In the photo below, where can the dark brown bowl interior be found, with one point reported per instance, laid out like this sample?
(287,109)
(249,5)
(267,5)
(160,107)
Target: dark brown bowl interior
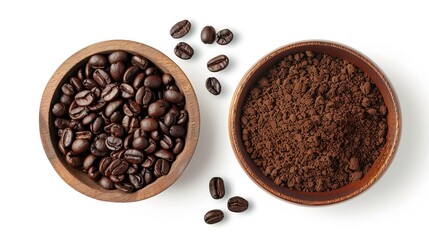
(75,177)
(347,191)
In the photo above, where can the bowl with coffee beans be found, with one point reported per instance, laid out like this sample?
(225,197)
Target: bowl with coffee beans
(315,123)
(119,121)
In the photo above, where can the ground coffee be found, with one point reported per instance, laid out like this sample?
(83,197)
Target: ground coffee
(314,122)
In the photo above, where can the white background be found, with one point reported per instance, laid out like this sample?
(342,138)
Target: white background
(37,36)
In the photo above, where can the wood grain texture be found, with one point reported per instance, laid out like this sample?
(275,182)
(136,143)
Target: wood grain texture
(79,180)
(348,191)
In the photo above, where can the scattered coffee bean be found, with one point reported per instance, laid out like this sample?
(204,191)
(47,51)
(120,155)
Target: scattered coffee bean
(183,51)
(224,37)
(110,121)
(208,35)
(237,204)
(217,188)
(180,29)
(218,63)
(213,216)
(213,86)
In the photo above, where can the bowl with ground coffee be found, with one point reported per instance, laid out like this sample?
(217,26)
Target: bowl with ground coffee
(315,123)
(119,121)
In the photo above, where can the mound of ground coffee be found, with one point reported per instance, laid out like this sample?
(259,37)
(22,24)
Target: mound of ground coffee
(314,122)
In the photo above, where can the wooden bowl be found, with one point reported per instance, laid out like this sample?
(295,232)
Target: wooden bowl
(75,177)
(350,190)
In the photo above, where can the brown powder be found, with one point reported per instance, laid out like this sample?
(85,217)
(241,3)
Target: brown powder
(314,122)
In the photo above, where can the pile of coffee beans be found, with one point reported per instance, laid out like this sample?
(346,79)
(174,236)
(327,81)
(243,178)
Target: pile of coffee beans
(121,120)
(217,191)
(208,36)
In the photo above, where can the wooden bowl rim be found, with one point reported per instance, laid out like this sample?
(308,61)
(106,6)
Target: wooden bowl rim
(164,63)
(315,198)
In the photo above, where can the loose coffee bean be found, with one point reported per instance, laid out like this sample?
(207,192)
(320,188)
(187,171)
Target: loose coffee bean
(217,188)
(177,131)
(130,73)
(148,176)
(117,178)
(125,187)
(83,135)
(178,146)
(237,204)
(67,89)
(136,180)
(118,167)
(89,83)
(76,83)
(112,106)
(80,146)
(66,99)
(73,159)
(84,98)
(110,92)
(183,51)
(224,37)
(153,82)
(113,143)
(149,161)
(97,61)
(180,29)
(218,63)
(67,138)
(149,124)
(151,71)
(208,35)
(89,161)
(89,119)
(167,79)
(144,96)
(183,117)
(140,143)
(165,154)
(59,109)
(118,56)
(157,109)
(93,173)
(213,86)
(213,216)
(101,77)
(126,90)
(166,142)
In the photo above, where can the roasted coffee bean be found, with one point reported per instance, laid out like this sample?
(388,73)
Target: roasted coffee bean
(128,141)
(213,86)
(66,99)
(140,143)
(101,77)
(217,188)
(213,216)
(113,143)
(84,135)
(151,71)
(140,62)
(88,70)
(112,106)
(89,161)
(178,146)
(169,119)
(118,56)
(126,90)
(77,112)
(61,123)
(59,109)
(125,187)
(177,131)
(73,159)
(67,138)
(218,63)
(117,167)
(97,125)
(93,173)
(97,61)
(89,83)
(134,156)
(153,82)
(167,79)
(89,119)
(149,161)
(116,117)
(134,124)
(166,142)
(117,130)
(136,180)
(180,29)
(139,133)
(81,74)
(161,168)
(208,35)
(67,89)
(155,135)
(165,154)
(80,146)
(104,164)
(117,178)
(76,83)
(84,98)
(237,204)
(224,37)
(106,183)
(133,169)
(144,96)
(164,129)
(117,71)
(97,106)
(138,80)
(147,176)
(173,96)
(183,51)
(152,146)
(149,124)
(157,109)
(130,73)
(183,117)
